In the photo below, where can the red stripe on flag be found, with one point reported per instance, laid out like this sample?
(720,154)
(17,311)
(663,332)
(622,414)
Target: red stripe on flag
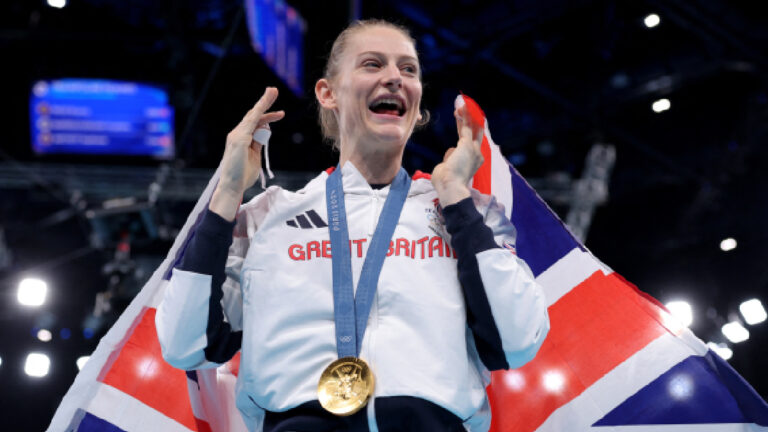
(202,426)
(482,179)
(234,364)
(595,327)
(140,371)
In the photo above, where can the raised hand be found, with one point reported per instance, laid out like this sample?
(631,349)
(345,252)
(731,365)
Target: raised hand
(452,176)
(241,163)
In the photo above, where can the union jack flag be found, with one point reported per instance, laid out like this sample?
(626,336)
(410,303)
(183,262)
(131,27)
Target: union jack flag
(614,359)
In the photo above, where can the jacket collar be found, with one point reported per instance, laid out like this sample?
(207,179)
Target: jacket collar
(355,183)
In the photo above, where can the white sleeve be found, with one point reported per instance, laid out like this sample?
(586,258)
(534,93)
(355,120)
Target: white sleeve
(517,301)
(199,322)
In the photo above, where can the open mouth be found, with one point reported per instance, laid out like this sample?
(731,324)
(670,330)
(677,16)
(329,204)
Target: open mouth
(388,105)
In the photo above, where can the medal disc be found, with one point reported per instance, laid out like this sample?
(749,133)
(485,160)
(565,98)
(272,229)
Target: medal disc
(345,386)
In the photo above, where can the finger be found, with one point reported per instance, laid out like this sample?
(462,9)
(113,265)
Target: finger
(459,119)
(448,153)
(271,117)
(251,118)
(265,102)
(463,118)
(465,135)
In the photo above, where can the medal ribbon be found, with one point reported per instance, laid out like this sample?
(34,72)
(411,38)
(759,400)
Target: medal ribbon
(351,311)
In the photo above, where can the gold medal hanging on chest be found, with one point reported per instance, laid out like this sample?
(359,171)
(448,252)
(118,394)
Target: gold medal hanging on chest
(345,386)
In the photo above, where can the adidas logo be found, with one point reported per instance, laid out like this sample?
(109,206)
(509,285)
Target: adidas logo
(307,220)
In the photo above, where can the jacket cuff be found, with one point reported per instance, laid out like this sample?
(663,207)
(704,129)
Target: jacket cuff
(209,247)
(469,234)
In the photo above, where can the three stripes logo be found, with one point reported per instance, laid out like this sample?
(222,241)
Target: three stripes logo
(307,220)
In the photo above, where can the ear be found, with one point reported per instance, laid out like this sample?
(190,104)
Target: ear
(324,94)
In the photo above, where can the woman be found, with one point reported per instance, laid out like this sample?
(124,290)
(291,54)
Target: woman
(357,303)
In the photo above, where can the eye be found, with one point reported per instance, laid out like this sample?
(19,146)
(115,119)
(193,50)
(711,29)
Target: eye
(371,64)
(410,69)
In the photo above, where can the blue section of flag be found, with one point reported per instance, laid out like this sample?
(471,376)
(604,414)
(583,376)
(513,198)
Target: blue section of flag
(698,390)
(752,405)
(541,238)
(91,423)
(183,249)
(192,375)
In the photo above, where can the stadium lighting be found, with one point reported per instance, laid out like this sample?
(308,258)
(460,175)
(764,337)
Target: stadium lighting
(57,3)
(681,387)
(735,332)
(32,292)
(1,361)
(37,365)
(44,335)
(753,311)
(721,349)
(682,311)
(661,105)
(81,362)
(514,380)
(554,381)
(651,20)
(728,244)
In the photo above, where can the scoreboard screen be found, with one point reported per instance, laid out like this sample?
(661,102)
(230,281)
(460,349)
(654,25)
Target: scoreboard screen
(101,117)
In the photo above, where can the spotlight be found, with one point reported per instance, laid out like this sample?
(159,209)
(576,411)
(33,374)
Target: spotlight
(57,3)
(661,105)
(37,365)
(721,349)
(44,335)
(554,381)
(753,311)
(735,332)
(514,380)
(81,362)
(682,311)
(1,361)
(651,20)
(728,244)
(32,292)
(680,387)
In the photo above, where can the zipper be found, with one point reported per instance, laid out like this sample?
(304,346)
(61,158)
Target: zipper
(374,212)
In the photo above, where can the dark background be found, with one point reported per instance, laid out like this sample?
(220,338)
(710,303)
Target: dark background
(554,77)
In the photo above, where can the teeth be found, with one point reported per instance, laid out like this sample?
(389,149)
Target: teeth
(392,101)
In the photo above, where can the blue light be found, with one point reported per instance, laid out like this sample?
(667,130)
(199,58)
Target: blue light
(87,333)
(100,117)
(65,333)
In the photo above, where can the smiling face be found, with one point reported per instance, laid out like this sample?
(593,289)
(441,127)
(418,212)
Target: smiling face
(376,93)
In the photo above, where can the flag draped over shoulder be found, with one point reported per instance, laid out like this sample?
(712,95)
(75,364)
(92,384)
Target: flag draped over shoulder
(127,386)
(614,358)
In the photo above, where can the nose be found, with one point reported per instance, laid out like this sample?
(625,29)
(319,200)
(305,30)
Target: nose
(392,78)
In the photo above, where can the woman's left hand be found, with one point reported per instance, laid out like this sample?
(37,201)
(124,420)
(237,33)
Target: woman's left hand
(452,176)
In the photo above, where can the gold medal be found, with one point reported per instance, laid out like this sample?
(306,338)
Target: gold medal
(345,386)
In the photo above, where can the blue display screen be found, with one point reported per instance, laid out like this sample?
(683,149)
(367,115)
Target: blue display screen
(101,117)
(277,33)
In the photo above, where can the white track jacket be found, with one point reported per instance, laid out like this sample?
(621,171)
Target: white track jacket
(448,307)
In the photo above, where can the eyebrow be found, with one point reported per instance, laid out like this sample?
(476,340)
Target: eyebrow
(380,54)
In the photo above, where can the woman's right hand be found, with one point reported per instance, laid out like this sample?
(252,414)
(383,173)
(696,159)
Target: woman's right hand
(241,163)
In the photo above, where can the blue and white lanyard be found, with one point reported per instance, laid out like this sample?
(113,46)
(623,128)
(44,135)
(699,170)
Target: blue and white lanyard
(351,311)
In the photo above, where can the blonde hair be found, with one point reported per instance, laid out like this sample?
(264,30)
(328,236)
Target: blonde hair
(329,125)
